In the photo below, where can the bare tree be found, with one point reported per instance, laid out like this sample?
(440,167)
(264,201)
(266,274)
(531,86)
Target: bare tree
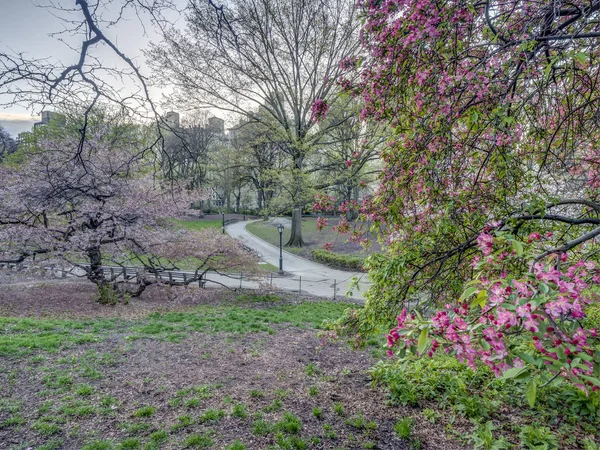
(186,150)
(279,56)
(87,81)
(81,198)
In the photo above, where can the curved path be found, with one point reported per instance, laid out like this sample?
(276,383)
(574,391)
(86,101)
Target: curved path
(317,279)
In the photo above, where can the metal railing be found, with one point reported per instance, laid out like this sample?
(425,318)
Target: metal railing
(322,287)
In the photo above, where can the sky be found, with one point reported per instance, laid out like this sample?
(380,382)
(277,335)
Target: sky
(26,26)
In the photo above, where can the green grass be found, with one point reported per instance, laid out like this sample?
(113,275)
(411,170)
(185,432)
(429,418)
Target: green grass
(211,415)
(145,411)
(256,393)
(261,428)
(240,410)
(98,445)
(197,225)
(198,441)
(23,336)
(313,238)
(403,428)
(289,423)
(269,233)
(268,267)
(130,444)
(71,400)
(182,422)
(237,445)
(317,412)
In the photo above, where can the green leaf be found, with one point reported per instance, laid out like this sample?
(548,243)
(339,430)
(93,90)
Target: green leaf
(580,56)
(518,247)
(512,373)
(544,288)
(531,392)
(422,340)
(528,359)
(592,380)
(468,292)
(480,299)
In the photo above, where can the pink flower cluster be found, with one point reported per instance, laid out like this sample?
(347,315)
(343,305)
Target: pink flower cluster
(318,110)
(321,223)
(323,203)
(328,246)
(544,306)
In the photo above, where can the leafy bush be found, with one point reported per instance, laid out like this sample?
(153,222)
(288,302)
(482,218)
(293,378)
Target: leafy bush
(478,395)
(592,313)
(338,260)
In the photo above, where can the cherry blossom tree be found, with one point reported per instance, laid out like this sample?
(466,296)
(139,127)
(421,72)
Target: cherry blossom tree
(489,198)
(104,207)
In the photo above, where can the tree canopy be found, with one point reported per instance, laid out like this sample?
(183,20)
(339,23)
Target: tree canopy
(489,198)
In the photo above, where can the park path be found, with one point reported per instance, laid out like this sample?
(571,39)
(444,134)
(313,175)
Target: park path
(316,279)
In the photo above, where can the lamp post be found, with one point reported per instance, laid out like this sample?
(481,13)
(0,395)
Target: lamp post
(280,229)
(223,214)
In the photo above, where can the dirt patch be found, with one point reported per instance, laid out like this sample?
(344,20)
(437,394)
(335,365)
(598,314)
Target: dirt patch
(26,295)
(151,373)
(151,393)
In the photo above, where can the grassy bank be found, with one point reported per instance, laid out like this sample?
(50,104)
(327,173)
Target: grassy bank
(313,238)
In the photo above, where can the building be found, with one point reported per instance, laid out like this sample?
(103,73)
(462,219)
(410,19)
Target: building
(47,117)
(216,125)
(172,119)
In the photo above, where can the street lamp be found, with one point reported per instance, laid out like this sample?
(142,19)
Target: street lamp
(223,214)
(280,229)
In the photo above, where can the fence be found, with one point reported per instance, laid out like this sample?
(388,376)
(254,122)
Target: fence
(323,287)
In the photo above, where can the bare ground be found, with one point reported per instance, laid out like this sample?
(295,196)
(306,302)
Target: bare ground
(150,372)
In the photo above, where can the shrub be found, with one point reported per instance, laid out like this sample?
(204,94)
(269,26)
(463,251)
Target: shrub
(337,260)
(592,313)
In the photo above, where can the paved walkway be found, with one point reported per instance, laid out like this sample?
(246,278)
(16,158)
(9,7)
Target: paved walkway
(315,278)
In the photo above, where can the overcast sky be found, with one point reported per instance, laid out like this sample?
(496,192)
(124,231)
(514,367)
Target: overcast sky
(26,27)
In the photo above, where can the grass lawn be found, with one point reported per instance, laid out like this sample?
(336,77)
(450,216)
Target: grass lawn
(313,238)
(202,224)
(190,368)
(199,224)
(222,371)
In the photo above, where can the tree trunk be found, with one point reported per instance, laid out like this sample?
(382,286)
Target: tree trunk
(296,236)
(259,199)
(238,200)
(107,293)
